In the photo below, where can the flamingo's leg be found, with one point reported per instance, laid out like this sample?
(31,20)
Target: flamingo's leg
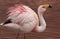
(24,36)
(17,36)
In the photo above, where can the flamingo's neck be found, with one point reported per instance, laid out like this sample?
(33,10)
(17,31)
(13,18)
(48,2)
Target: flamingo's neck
(42,26)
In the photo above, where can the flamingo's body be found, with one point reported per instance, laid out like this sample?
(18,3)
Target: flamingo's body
(25,20)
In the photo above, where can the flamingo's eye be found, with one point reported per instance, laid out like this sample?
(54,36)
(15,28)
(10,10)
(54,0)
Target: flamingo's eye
(43,7)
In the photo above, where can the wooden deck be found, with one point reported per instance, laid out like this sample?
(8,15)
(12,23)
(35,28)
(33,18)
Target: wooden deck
(52,17)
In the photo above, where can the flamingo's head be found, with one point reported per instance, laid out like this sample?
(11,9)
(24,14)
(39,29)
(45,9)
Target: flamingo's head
(42,8)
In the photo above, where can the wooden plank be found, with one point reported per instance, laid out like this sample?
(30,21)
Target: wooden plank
(52,17)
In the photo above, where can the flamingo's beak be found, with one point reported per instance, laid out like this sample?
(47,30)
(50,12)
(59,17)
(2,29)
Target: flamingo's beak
(47,6)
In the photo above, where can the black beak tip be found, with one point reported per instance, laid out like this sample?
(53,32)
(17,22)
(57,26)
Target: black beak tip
(50,6)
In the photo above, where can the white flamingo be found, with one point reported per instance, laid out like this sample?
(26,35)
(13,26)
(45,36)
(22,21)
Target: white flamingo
(25,20)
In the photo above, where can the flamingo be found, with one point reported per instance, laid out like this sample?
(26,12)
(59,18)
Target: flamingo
(23,19)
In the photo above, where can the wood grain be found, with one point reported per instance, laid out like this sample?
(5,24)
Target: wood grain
(52,17)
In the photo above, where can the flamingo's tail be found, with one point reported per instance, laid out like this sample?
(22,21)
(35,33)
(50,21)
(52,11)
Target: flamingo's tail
(1,23)
(6,22)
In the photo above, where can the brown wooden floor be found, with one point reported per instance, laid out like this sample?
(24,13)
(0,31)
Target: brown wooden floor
(52,17)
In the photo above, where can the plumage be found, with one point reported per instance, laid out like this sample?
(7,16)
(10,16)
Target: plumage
(25,20)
